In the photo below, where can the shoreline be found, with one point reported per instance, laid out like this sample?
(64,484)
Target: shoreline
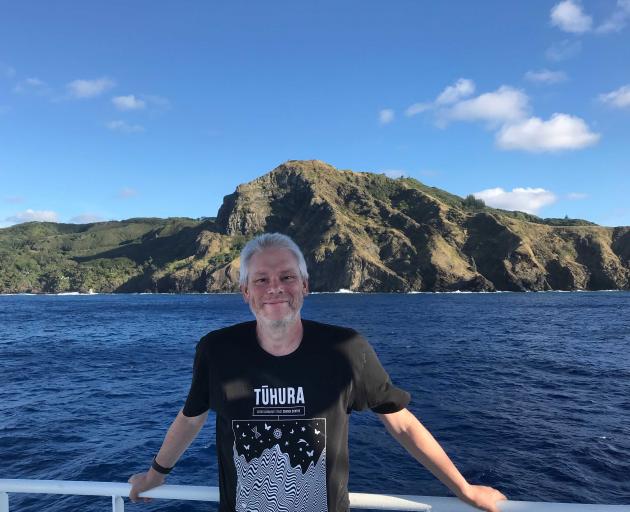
(339,292)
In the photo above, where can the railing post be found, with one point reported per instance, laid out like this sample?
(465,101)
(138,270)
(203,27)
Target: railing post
(4,502)
(118,505)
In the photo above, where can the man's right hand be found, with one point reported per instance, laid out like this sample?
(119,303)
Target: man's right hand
(141,482)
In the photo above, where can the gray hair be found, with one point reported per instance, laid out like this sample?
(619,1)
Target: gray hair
(266,241)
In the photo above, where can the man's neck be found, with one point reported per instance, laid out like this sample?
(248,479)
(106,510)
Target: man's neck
(280,340)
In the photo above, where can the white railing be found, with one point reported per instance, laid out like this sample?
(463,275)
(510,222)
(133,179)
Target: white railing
(357,499)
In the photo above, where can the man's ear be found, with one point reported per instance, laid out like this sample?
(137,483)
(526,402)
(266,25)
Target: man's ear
(245,293)
(305,287)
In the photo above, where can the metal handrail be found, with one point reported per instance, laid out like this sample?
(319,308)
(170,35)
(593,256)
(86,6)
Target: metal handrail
(118,491)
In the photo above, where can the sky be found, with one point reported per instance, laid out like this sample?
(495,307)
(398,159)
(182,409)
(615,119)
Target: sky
(113,110)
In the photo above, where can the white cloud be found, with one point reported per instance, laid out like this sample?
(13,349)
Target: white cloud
(563,50)
(546,76)
(617,20)
(528,200)
(463,88)
(507,110)
(618,98)
(576,196)
(503,105)
(128,103)
(127,192)
(395,173)
(31,85)
(124,127)
(157,101)
(417,108)
(86,218)
(560,132)
(33,215)
(568,16)
(453,93)
(386,116)
(90,88)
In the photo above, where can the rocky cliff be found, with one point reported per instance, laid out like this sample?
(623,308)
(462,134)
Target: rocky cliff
(359,231)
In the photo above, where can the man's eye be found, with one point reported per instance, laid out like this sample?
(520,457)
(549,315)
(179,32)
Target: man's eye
(288,278)
(261,280)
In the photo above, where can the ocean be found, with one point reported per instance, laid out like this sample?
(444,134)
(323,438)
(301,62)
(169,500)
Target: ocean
(526,392)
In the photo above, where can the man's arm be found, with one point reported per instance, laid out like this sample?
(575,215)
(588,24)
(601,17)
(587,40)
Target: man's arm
(423,447)
(181,433)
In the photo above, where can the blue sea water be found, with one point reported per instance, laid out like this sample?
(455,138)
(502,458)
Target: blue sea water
(529,392)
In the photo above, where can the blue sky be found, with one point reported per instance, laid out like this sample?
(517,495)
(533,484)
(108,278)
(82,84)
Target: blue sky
(112,110)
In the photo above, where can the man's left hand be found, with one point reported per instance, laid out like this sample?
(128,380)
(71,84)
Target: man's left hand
(483,497)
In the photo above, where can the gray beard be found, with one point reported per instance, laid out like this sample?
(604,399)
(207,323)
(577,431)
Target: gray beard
(280,324)
(277,325)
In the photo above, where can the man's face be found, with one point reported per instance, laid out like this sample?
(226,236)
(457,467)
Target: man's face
(275,290)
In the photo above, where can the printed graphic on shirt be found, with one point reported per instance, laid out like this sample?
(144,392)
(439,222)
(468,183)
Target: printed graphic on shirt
(279,402)
(280,464)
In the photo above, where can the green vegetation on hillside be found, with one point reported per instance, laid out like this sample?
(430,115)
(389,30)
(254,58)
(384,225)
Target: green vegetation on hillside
(377,232)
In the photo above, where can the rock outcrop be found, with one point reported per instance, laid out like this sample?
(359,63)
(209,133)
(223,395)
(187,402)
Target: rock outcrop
(366,232)
(358,231)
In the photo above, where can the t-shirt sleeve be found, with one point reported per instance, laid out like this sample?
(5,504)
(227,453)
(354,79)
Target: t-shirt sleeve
(372,386)
(198,400)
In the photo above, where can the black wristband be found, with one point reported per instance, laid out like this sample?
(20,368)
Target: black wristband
(160,469)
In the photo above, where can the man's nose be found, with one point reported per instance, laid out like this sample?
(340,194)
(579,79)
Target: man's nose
(275,285)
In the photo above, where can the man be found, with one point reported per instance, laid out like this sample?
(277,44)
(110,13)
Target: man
(282,388)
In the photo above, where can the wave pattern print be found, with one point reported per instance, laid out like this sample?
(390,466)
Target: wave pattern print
(270,483)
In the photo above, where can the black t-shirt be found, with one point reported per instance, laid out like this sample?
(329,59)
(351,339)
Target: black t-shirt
(282,421)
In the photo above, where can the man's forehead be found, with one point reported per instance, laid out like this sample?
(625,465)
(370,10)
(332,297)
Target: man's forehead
(277,258)
(283,270)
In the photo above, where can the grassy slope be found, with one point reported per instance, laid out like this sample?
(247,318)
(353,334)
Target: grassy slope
(103,256)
